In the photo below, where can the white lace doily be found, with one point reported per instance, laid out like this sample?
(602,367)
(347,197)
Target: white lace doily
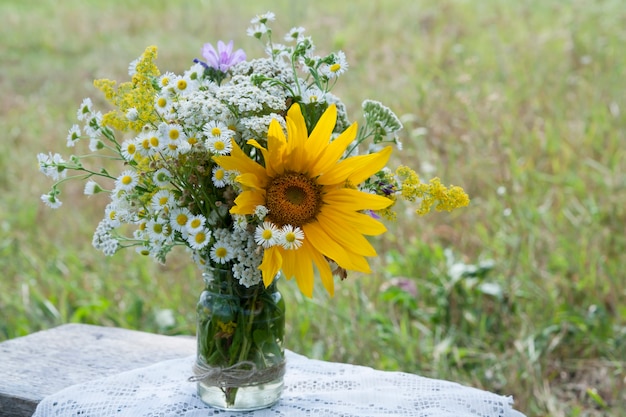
(312,388)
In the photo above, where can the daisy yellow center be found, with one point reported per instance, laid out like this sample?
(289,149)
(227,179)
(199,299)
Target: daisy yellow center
(216,131)
(192,140)
(293,198)
(200,237)
(162,102)
(181,219)
(182,84)
(195,223)
(163,201)
(221,252)
(174,134)
(219,174)
(335,67)
(165,81)
(131,148)
(290,237)
(267,234)
(219,145)
(154,141)
(158,228)
(127,179)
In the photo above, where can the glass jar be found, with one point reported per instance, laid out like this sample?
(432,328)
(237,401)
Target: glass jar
(240,359)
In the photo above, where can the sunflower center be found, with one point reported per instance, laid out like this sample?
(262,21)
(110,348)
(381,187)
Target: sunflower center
(293,198)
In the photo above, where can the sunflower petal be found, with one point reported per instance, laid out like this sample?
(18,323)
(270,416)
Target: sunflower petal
(345,235)
(320,136)
(326,275)
(356,169)
(271,264)
(331,154)
(364,223)
(248,180)
(348,199)
(247,201)
(331,249)
(299,264)
(239,161)
(276,143)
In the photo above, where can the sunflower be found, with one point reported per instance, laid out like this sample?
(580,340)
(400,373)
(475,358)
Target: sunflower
(307,185)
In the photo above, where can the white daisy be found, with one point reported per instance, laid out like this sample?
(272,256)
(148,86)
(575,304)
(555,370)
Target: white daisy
(263,18)
(127,180)
(111,217)
(338,67)
(313,95)
(266,234)
(132,114)
(165,80)
(163,104)
(295,34)
(195,223)
(162,177)
(84,111)
(151,143)
(132,67)
(158,230)
(172,132)
(51,200)
(129,149)
(179,218)
(173,149)
(240,222)
(196,72)
(221,252)
(257,30)
(73,135)
(95,144)
(219,176)
(219,145)
(199,239)
(92,187)
(162,200)
(260,212)
(184,85)
(52,165)
(291,237)
(216,129)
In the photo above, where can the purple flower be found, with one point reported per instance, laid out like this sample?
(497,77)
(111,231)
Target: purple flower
(224,57)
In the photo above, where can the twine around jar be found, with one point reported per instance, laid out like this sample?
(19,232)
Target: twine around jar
(241,374)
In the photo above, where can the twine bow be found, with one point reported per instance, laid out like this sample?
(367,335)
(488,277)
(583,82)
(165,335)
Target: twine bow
(241,374)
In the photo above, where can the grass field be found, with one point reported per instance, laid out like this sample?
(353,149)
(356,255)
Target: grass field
(522,103)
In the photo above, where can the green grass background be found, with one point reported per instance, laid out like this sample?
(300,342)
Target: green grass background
(520,102)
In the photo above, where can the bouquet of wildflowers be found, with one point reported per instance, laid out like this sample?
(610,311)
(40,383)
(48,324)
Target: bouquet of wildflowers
(251,164)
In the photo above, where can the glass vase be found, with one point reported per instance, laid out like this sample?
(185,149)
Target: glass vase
(240,359)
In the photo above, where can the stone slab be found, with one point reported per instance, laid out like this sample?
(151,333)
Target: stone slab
(42,363)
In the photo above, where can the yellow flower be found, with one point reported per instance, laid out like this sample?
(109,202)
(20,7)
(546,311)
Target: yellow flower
(138,94)
(306,183)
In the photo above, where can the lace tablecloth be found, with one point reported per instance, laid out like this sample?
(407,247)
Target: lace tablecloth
(312,388)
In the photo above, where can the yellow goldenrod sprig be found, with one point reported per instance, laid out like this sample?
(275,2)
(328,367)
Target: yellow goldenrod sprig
(137,94)
(430,194)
